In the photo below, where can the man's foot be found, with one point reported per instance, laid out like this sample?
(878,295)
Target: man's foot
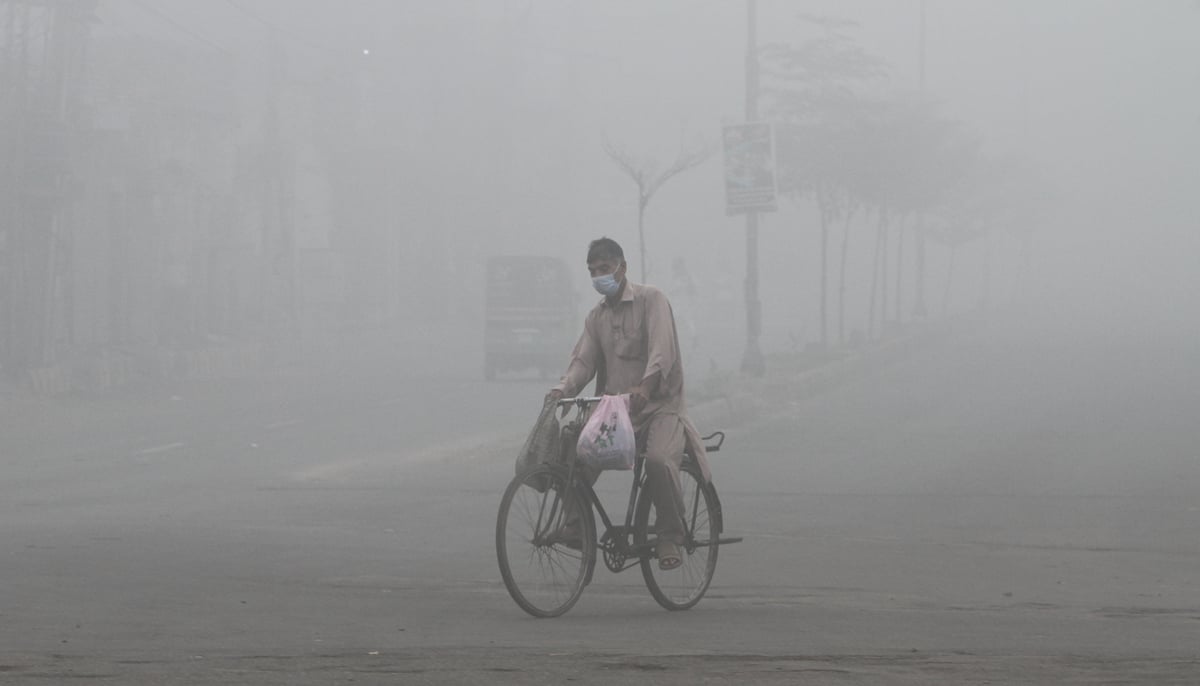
(567,535)
(668,556)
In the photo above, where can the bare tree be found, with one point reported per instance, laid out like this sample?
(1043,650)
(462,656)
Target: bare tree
(649,179)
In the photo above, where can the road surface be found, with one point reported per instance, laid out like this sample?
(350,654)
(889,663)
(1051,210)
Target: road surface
(986,510)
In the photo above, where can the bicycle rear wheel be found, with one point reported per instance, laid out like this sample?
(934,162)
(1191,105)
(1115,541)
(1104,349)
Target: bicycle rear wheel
(684,586)
(544,562)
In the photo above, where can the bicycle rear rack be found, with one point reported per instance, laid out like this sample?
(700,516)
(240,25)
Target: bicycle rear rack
(719,435)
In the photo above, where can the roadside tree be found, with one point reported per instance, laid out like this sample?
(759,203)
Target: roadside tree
(815,94)
(646,175)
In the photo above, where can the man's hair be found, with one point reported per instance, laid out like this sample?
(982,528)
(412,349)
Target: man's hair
(604,249)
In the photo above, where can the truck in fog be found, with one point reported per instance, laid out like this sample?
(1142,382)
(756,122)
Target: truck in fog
(531,316)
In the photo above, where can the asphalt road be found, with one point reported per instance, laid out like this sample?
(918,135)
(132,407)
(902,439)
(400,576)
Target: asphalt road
(987,511)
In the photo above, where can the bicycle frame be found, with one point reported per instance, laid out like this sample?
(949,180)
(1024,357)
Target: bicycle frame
(621,548)
(618,534)
(542,573)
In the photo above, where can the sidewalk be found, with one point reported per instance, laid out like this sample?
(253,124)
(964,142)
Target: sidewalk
(731,399)
(118,390)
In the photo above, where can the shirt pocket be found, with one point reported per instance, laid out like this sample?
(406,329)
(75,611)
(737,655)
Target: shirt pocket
(630,343)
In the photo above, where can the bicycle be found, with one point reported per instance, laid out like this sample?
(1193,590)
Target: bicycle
(545,572)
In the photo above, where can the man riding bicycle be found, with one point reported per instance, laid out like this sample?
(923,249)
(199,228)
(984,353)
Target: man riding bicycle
(629,344)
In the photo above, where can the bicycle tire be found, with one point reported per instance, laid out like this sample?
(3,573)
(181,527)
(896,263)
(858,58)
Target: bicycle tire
(684,586)
(543,575)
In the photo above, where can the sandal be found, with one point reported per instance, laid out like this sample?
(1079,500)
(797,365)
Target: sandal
(668,556)
(568,535)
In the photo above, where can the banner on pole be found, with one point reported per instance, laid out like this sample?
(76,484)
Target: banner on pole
(749,168)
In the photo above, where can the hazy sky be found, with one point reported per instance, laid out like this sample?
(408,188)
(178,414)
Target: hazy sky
(508,102)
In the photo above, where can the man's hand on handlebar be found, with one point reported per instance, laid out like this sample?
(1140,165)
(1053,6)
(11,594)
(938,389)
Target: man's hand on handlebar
(554,396)
(638,397)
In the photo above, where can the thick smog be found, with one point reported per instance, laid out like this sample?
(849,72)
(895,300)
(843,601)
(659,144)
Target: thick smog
(526,341)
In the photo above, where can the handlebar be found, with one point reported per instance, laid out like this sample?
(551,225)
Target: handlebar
(582,401)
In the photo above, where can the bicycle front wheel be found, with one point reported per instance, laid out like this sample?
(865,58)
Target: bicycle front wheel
(684,586)
(545,541)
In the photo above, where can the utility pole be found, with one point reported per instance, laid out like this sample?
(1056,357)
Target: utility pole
(280,312)
(752,361)
(40,83)
(919,297)
(14,78)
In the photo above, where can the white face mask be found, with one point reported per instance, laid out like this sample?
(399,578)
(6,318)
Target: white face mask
(606,285)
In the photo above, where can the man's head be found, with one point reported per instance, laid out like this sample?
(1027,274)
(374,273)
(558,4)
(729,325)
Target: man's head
(606,264)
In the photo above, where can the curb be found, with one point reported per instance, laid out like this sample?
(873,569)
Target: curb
(112,371)
(753,399)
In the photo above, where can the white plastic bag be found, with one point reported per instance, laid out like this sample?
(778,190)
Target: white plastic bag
(607,440)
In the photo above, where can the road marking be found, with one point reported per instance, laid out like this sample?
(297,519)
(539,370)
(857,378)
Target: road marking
(282,424)
(160,449)
(471,447)
(327,470)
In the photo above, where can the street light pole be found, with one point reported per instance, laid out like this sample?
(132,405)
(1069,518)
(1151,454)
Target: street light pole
(919,310)
(752,361)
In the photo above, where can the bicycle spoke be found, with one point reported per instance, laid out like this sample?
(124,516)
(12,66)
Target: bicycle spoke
(683,586)
(542,574)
